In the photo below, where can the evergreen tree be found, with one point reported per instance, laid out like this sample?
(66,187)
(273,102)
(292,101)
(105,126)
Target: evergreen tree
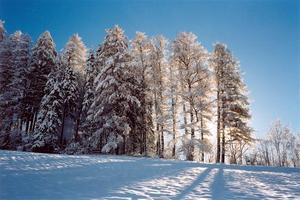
(90,73)
(113,94)
(6,76)
(42,61)
(46,134)
(20,64)
(70,94)
(16,50)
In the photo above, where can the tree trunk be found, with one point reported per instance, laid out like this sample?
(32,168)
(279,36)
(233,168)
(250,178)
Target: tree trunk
(223,139)
(218,127)
(77,126)
(124,144)
(192,123)
(192,135)
(174,128)
(158,149)
(21,124)
(27,125)
(184,119)
(162,142)
(202,136)
(62,126)
(33,121)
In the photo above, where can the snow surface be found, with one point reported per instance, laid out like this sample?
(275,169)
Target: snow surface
(49,176)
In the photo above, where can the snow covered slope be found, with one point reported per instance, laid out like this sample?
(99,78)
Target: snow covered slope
(46,176)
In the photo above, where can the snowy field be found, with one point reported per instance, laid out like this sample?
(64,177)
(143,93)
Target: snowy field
(45,176)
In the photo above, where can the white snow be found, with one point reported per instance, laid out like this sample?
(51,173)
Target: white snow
(50,176)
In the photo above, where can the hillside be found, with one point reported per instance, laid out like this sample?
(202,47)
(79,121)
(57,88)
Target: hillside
(49,176)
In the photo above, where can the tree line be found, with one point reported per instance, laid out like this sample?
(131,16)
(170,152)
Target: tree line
(280,147)
(147,96)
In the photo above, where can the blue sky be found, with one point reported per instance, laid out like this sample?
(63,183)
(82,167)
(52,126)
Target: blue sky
(264,35)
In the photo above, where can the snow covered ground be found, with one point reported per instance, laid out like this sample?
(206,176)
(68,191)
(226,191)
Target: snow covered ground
(46,176)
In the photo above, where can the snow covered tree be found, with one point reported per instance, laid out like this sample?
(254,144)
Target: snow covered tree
(81,144)
(295,150)
(43,60)
(158,66)
(279,136)
(232,101)
(172,95)
(190,57)
(70,94)
(90,73)
(6,76)
(74,56)
(280,147)
(113,94)
(20,64)
(46,134)
(15,54)
(140,51)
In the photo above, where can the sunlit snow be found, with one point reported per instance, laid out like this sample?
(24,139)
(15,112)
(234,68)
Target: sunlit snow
(49,176)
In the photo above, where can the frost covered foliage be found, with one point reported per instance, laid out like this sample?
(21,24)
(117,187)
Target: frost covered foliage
(197,146)
(74,57)
(280,147)
(282,142)
(45,137)
(142,135)
(77,148)
(190,58)
(113,93)
(232,101)
(81,144)
(146,97)
(157,83)
(75,54)
(42,62)
(20,64)
(6,76)
(88,99)
(14,56)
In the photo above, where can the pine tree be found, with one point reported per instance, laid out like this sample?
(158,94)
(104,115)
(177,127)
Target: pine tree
(20,63)
(70,94)
(113,94)
(90,73)
(43,60)
(6,76)
(46,134)
(15,54)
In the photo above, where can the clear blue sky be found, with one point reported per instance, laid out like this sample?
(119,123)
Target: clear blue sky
(263,35)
